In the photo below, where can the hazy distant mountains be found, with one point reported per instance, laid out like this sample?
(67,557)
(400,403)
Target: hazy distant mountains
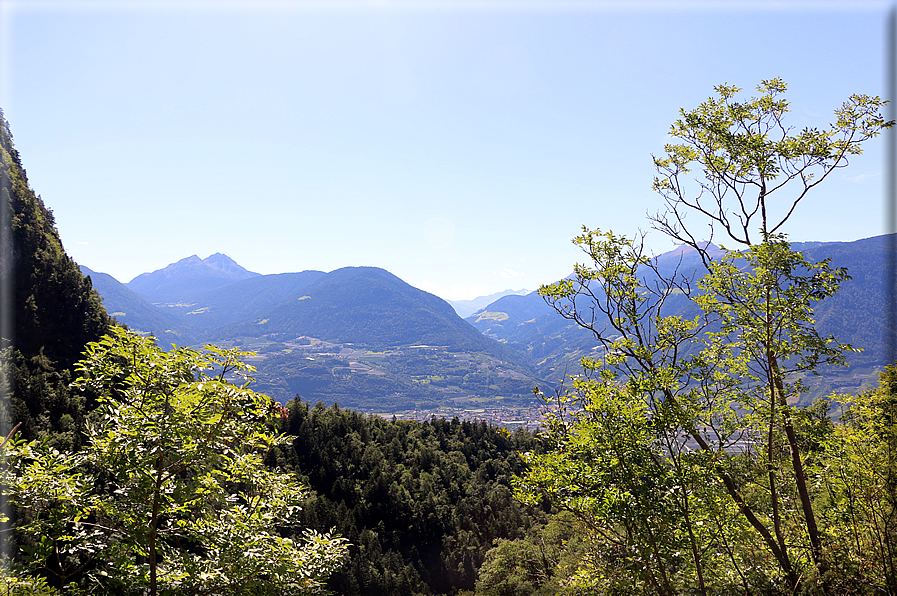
(188,278)
(365,338)
(554,344)
(216,299)
(358,335)
(465,308)
(130,308)
(856,315)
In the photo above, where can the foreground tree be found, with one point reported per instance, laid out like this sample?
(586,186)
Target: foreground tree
(679,446)
(171,495)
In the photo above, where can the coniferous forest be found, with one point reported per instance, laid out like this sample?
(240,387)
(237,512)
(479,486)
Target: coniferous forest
(676,462)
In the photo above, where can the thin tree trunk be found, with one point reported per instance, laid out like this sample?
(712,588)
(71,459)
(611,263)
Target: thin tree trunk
(770,455)
(780,555)
(800,477)
(154,522)
(699,566)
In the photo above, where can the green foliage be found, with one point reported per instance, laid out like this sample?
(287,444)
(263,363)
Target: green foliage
(54,309)
(679,447)
(171,494)
(13,584)
(541,563)
(745,153)
(859,500)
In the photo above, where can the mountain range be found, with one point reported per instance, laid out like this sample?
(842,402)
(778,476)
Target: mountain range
(465,308)
(365,338)
(855,315)
(357,335)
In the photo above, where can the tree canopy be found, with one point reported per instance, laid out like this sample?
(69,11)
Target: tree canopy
(679,447)
(170,495)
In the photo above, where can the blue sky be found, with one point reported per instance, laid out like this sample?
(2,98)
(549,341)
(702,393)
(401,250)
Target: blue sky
(459,145)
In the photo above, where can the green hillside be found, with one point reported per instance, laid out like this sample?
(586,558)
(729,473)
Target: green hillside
(249,299)
(373,307)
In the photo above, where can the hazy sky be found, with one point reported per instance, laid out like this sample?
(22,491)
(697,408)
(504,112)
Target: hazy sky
(459,145)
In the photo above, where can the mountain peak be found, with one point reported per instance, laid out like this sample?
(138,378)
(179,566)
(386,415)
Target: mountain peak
(221,262)
(684,249)
(683,253)
(188,276)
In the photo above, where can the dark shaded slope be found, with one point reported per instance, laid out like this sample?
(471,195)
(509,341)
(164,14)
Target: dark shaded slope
(54,310)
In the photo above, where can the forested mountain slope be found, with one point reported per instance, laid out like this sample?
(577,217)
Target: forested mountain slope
(54,309)
(420,502)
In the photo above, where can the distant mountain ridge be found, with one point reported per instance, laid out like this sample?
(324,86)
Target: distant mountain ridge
(215,298)
(465,308)
(371,306)
(856,315)
(357,335)
(129,308)
(188,277)
(361,312)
